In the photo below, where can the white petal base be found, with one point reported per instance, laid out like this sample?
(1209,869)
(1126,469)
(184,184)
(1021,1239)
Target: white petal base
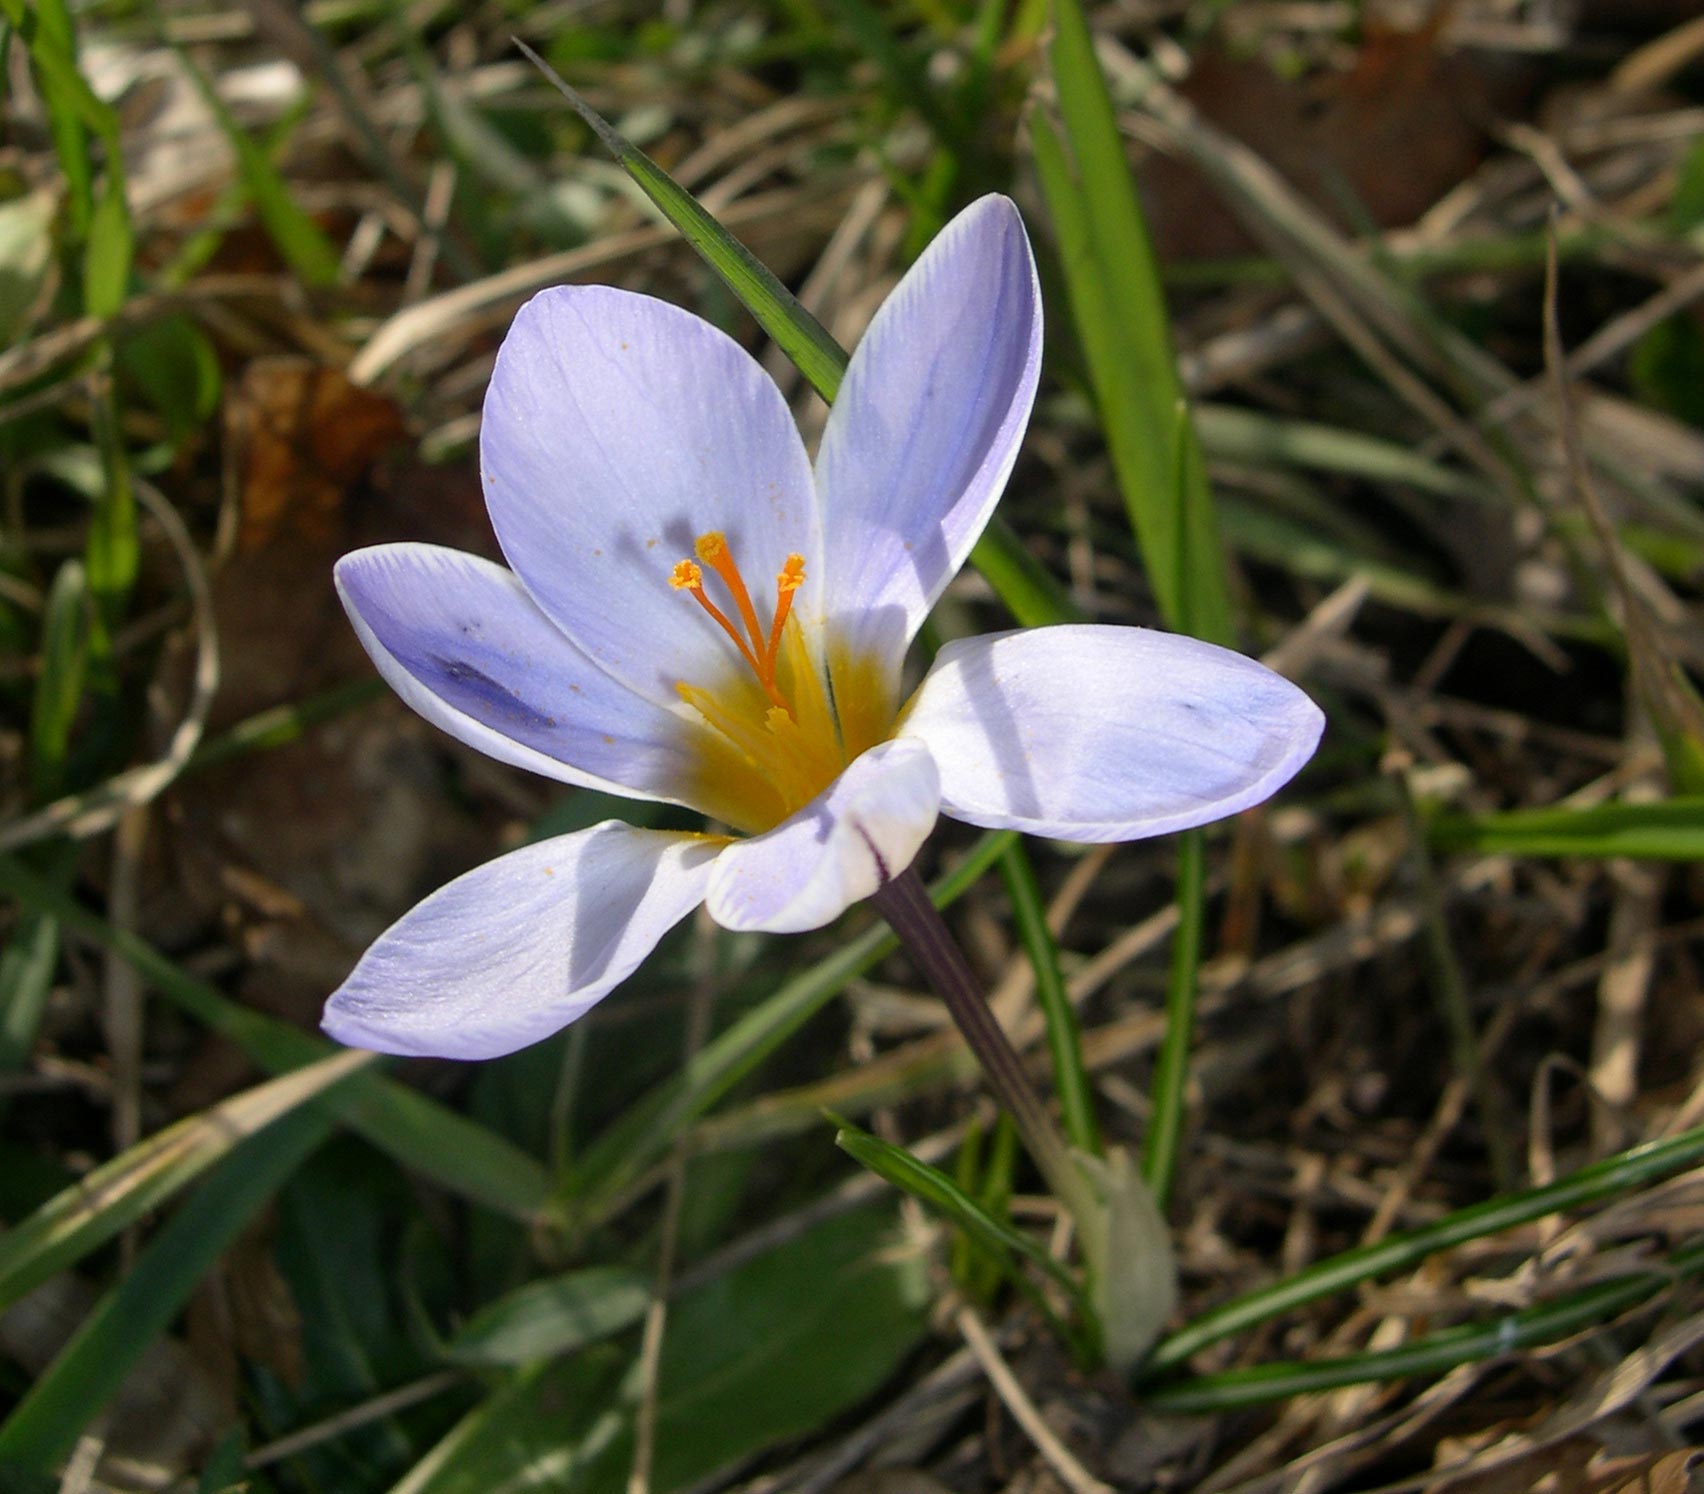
(863,830)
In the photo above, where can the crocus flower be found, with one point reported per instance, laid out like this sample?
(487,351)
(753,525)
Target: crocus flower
(695,616)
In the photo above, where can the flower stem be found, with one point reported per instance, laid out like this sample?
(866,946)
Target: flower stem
(904,902)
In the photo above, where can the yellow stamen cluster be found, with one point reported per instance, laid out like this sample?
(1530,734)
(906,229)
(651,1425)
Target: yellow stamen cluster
(794,743)
(759,649)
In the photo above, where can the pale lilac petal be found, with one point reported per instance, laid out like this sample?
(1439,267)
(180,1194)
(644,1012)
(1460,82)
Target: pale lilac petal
(860,832)
(459,639)
(617,430)
(521,946)
(925,429)
(1096,733)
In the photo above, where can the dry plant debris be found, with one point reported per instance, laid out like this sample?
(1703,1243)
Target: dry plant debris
(1460,959)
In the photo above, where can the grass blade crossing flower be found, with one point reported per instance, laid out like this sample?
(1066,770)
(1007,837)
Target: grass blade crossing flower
(694,615)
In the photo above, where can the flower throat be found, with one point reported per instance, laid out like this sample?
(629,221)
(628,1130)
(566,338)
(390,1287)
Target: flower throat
(790,737)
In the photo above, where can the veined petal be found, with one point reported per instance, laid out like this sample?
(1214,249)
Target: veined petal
(925,429)
(860,832)
(460,640)
(521,946)
(1094,733)
(617,430)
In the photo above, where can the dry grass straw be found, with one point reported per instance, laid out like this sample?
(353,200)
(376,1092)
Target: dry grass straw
(1321,1124)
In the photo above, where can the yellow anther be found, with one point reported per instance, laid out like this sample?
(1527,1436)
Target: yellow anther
(760,649)
(788,580)
(713,550)
(687,577)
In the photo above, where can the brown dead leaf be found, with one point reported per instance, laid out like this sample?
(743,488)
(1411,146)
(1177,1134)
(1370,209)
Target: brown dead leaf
(1379,142)
(301,436)
(245,1311)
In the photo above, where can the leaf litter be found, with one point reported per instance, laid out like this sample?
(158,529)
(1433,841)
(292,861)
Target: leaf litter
(1353,222)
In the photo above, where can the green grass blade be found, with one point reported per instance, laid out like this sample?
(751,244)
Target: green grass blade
(65,628)
(422,1135)
(278,726)
(114,549)
(1164,1141)
(45,1424)
(29,961)
(54,38)
(546,1319)
(111,248)
(795,331)
(46,33)
(1171,1065)
(1614,1175)
(118,1193)
(1431,1355)
(1064,1040)
(1026,586)
(1668,830)
(1118,307)
(100,224)
(616,1160)
(305,248)
(938,1192)
(977,1271)
(1256,439)
(27,964)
